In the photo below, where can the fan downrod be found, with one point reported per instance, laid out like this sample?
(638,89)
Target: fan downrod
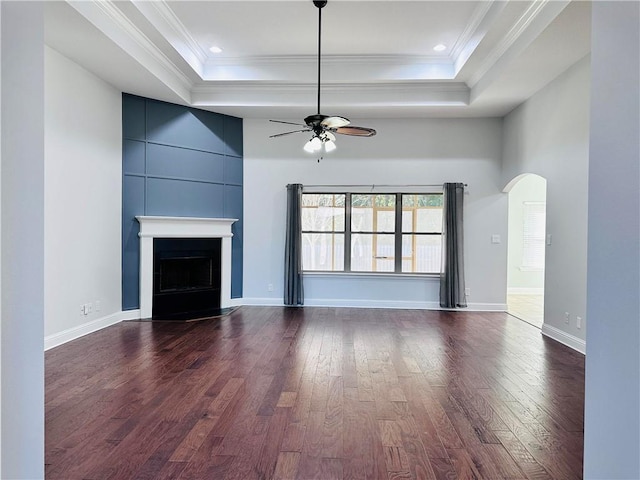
(324,126)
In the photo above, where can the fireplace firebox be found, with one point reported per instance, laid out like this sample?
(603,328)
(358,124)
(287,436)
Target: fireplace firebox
(186,278)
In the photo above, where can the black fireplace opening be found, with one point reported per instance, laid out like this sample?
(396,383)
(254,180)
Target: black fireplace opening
(185,273)
(186,278)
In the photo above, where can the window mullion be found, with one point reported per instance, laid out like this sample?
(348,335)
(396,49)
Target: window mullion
(374,237)
(333,232)
(414,238)
(398,235)
(347,232)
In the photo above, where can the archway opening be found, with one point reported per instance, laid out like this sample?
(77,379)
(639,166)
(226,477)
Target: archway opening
(526,247)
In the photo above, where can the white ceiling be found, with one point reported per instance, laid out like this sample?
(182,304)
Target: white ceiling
(377,56)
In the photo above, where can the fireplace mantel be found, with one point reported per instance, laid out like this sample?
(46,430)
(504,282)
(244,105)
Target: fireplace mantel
(182,227)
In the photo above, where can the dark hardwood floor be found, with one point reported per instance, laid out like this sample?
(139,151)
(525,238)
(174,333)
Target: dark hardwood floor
(327,393)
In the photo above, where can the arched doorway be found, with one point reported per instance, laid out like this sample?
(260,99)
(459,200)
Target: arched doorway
(526,247)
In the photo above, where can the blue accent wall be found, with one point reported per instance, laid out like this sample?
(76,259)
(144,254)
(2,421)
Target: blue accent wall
(181,162)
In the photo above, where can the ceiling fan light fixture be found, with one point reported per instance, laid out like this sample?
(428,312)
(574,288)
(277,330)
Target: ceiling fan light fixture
(314,145)
(329,146)
(308,147)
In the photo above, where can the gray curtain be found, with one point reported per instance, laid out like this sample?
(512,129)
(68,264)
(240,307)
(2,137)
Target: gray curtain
(452,288)
(293,289)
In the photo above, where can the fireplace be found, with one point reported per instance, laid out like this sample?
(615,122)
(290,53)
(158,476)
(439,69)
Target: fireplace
(194,254)
(186,277)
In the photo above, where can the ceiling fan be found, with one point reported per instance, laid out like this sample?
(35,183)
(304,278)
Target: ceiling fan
(322,126)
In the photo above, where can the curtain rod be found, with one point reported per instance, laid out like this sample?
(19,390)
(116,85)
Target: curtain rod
(376,185)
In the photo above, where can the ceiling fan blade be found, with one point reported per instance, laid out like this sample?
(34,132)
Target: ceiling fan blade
(288,123)
(335,122)
(355,131)
(288,133)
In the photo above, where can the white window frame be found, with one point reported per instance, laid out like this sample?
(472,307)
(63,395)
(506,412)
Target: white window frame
(397,233)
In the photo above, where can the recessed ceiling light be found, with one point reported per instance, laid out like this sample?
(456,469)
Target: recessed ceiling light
(440,47)
(215,49)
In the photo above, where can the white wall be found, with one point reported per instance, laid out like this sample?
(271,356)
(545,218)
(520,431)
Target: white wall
(22,203)
(0,241)
(426,151)
(549,135)
(530,188)
(612,409)
(83,200)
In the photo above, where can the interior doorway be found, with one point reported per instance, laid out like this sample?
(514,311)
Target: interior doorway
(526,248)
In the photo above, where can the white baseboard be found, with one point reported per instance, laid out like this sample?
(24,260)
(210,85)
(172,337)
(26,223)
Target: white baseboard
(130,315)
(260,302)
(65,336)
(70,334)
(355,303)
(396,304)
(525,291)
(487,307)
(565,338)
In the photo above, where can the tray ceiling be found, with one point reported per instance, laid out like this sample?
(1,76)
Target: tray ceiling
(378,58)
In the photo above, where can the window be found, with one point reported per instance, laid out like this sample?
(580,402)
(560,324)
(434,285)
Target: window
(372,233)
(323,232)
(534,218)
(381,232)
(421,233)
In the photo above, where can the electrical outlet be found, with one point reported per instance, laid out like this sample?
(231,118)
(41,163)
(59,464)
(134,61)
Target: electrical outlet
(467,292)
(98,305)
(566,317)
(579,322)
(90,307)
(270,287)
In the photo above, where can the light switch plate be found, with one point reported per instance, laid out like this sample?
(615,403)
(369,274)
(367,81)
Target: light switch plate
(495,238)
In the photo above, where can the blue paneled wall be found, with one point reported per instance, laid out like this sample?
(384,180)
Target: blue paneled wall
(180,162)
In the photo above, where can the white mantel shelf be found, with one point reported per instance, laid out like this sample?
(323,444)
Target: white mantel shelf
(177,227)
(182,227)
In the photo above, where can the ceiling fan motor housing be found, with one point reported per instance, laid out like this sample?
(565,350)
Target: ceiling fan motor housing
(319,3)
(314,120)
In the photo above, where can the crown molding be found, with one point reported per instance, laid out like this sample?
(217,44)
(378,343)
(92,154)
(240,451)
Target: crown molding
(301,94)
(466,36)
(166,22)
(539,14)
(335,69)
(378,86)
(484,16)
(162,17)
(329,59)
(107,18)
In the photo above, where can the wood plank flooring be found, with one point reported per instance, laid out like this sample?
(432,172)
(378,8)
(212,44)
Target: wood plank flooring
(326,393)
